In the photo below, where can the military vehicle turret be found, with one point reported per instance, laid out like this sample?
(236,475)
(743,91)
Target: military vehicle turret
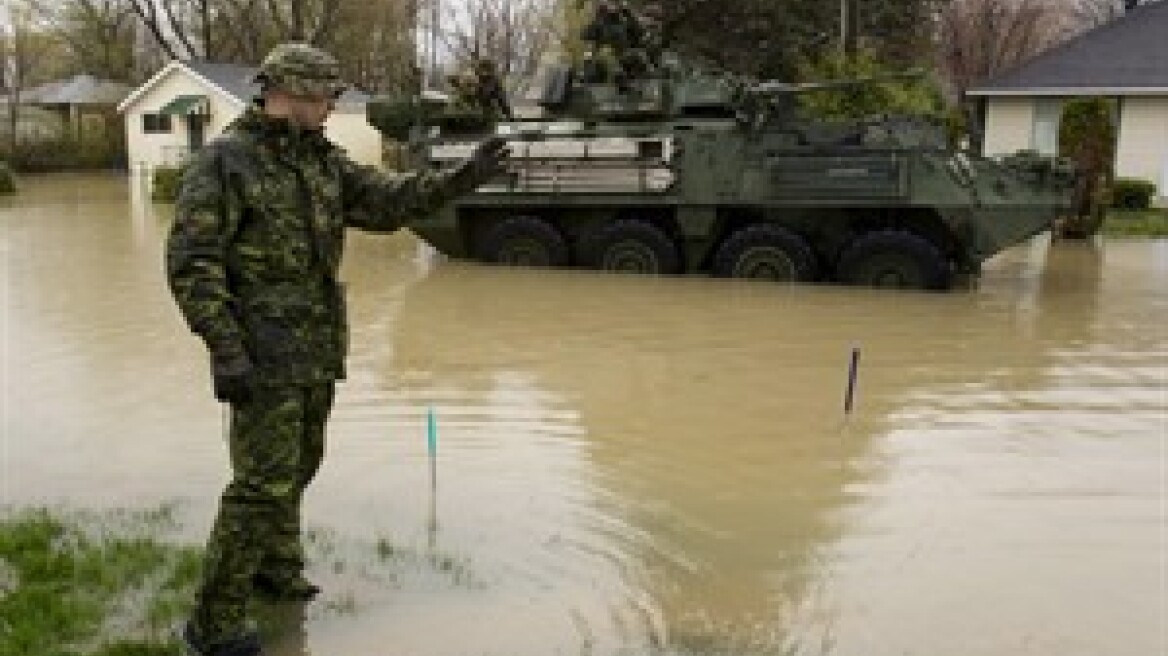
(682,169)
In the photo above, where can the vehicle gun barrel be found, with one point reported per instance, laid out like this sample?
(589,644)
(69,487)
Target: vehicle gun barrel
(772,88)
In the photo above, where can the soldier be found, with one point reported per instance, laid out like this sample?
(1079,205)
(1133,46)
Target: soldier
(608,37)
(492,97)
(252,261)
(652,21)
(464,90)
(477,89)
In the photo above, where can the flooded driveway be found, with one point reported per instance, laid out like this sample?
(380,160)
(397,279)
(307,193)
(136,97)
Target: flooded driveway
(642,466)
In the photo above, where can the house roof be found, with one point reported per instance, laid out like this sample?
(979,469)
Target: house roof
(1127,56)
(77,90)
(235,80)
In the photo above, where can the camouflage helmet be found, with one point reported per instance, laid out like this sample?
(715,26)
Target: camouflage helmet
(484,66)
(301,69)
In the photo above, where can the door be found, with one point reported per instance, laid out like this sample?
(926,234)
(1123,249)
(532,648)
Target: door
(196,131)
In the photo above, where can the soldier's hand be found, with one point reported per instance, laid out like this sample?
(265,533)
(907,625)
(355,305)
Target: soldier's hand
(486,161)
(231,376)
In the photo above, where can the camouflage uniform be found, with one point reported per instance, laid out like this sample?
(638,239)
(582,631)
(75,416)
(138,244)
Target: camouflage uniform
(608,37)
(252,262)
(652,35)
(492,97)
(478,90)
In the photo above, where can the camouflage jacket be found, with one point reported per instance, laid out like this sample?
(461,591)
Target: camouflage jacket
(253,255)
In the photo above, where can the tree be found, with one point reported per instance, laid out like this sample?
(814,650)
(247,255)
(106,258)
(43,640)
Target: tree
(170,34)
(1087,137)
(763,38)
(312,21)
(1092,13)
(900,33)
(373,39)
(978,39)
(222,29)
(97,35)
(24,49)
(911,94)
(778,38)
(511,33)
(386,60)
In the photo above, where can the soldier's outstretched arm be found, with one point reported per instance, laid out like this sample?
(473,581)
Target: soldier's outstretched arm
(206,217)
(382,202)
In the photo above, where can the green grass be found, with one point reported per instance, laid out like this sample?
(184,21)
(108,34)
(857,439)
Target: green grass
(7,179)
(112,584)
(80,585)
(1136,223)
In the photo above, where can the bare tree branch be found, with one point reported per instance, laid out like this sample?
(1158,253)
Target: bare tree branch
(1092,13)
(513,34)
(329,14)
(148,15)
(276,16)
(981,38)
(178,29)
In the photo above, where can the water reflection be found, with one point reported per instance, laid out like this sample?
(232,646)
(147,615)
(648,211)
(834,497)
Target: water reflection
(630,466)
(284,629)
(1021,485)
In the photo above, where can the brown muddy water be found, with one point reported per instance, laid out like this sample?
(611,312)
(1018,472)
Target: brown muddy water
(642,466)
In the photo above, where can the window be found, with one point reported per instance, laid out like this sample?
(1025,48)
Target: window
(1045,132)
(156,123)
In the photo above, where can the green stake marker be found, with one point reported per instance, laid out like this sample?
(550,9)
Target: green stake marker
(432,447)
(431,432)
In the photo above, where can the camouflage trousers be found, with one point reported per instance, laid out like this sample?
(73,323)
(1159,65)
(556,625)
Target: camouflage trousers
(276,446)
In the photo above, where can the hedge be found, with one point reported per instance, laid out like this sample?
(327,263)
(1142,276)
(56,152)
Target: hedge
(1132,194)
(62,154)
(164,183)
(7,179)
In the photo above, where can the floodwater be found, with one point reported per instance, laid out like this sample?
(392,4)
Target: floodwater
(642,466)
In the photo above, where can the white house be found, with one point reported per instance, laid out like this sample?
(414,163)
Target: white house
(1125,60)
(188,103)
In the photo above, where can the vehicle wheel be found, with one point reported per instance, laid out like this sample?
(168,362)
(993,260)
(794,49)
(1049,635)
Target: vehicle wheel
(631,246)
(894,258)
(765,251)
(524,241)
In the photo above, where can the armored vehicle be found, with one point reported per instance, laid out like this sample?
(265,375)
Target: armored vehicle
(690,170)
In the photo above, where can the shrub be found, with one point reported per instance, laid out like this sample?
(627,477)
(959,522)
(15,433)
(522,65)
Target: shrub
(888,91)
(1087,138)
(1137,223)
(164,183)
(1132,194)
(7,179)
(65,154)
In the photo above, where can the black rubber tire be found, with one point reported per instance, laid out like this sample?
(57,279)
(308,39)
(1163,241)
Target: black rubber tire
(765,251)
(896,259)
(524,241)
(631,246)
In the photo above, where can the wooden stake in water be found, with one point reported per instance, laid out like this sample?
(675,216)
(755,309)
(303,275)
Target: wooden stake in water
(853,374)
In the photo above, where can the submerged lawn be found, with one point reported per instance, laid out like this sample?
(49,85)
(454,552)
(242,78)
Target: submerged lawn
(1136,223)
(115,584)
(73,585)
